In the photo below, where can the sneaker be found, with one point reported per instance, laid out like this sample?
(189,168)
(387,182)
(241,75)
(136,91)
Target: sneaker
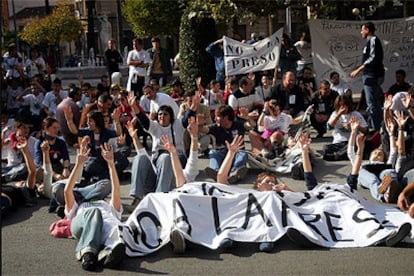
(113,257)
(266,247)
(226,243)
(177,241)
(130,208)
(89,261)
(211,173)
(299,239)
(238,174)
(60,211)
(398,235)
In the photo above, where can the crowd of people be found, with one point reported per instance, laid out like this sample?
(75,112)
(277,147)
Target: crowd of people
(164,133)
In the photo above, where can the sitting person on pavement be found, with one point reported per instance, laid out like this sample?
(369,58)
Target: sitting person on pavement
(339,121)
(99,135)
(192,100)
(16,168)
(323,105)
(143,179)
(274,126)
(59,154)
(225,128)
(24,194)
(95,223)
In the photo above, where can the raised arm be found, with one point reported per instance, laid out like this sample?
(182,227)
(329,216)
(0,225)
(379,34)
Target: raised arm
(22,144)
(232,149)
(354,124)
(401,121)
(310,179)
(134,134)
(116,115)
(359,154)
(81,159)
(403,198)
(108,154)
(69,120)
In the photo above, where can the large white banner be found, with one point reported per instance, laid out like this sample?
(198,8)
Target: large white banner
(206,213)
(242,58)
(337,46)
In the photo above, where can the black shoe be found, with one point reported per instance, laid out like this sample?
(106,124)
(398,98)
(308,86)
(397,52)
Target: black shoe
(226,244)
(299,239)
(115,256)
(89,261)
(60,211)
(211,173)
(399,235)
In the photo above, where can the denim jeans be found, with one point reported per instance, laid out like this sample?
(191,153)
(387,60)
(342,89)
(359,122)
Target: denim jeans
(86,227)
(370,181)
(96,191)
(373,94)
(145,180)
(217,158)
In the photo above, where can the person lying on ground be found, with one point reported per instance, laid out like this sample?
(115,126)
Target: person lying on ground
(95,223)
(379,177)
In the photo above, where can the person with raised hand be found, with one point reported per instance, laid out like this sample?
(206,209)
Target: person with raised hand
(95,223)
(24,194)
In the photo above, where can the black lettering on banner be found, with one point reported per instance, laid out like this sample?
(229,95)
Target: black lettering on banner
(356,217)
(253,200)
(157,224)
(209,190)
(216,216)
(234,63)
(332,228)
(183,217)
(234,50)
(285,207)
(134,233)
(303,201)
(315,218)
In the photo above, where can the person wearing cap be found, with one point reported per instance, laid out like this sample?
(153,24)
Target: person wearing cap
(160,67)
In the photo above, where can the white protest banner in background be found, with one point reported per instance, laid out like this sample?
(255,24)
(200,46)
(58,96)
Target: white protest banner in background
(206,213)
(242,58)
(338,45)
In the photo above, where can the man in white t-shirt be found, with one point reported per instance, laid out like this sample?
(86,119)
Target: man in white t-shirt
(53,98)
(338,86)
(138,60)
(157,100)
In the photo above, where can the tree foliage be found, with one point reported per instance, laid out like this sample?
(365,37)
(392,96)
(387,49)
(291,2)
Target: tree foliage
(153,17)
(60,25)
(196,32)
